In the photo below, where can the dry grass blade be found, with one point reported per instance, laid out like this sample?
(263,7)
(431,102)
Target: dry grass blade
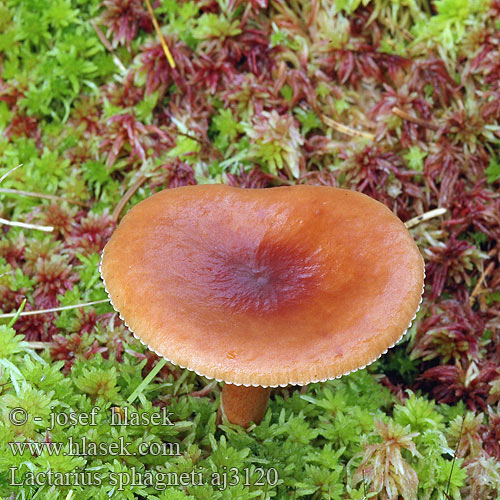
(406,116)
(168,54)
(9,172)
(41,195)
(126,197)
(344,129)
(53,309)
(426,216)
(25,225)
(482,280)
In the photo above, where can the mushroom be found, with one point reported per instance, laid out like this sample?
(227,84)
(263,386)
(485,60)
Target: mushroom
(262,288)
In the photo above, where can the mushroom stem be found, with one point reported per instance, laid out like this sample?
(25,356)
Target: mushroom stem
(243,405)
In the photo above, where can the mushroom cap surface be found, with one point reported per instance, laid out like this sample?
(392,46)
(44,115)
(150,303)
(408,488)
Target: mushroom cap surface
(270,287)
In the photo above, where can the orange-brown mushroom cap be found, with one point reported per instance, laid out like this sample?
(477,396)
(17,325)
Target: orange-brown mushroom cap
(268,287)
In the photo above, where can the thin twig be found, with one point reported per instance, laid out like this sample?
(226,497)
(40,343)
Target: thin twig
(166,50)
(47,229)
(344,129)
(54,309)
(41,195)
(192,137)
(480,282)
(364,485)
(9,172)
(126,197)
(426,216)
(406,116)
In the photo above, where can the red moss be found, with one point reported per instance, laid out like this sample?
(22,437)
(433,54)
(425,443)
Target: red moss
(40,250)
(433,72)
(159,74)
(174,174)
(85,322)
(446,262)
(383,176)
(363,28)
(475,208)
(53,277)
(125,94)
(39,327)
(462,381)
(490,434)
(126,132)
(22,125)
(60,217)
(10,93)
(442,169)
(91,233)
(486,63)
(11,300)
(12,251)
(320,178)
(409,102)
(490,107)
(124,19)
(250,51)
(299,82)
(66,348)
(212,73)
(251,93)
(95,334)
(452,330)
(87,113)
(255,179)
(182,174)
(352,66)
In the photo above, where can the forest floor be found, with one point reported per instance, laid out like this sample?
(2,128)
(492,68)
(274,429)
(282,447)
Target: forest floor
(399,100)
